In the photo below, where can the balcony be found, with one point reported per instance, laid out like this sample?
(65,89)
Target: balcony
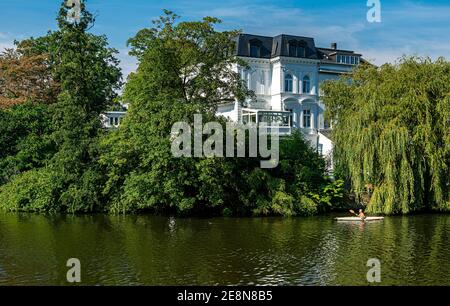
(280,121)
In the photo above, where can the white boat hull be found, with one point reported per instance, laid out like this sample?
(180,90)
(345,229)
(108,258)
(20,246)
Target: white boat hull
(356,219)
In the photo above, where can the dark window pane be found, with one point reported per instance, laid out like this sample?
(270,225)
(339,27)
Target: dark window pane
(306,85)
(301,52)
(255,50)
(292,50)
(288,83)
(307,118)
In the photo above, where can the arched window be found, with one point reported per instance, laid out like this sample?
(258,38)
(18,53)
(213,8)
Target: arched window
(288,83)
(306,84)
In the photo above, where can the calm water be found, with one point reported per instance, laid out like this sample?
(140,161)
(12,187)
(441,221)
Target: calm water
(166,251)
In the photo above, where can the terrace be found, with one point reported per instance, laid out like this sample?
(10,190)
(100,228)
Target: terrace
(275,120)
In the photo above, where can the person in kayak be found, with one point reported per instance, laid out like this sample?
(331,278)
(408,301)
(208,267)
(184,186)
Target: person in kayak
(362,215)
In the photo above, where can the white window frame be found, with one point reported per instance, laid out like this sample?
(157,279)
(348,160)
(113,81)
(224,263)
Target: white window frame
(288,82)
(306,114)
(262,82)
(309,84)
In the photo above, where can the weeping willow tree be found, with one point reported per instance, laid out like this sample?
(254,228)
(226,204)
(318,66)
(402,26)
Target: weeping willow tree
(392,135)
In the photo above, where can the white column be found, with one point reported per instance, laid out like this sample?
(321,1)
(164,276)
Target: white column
(300,83)
(295,82)
(283,74)
(295,120)
(301,118)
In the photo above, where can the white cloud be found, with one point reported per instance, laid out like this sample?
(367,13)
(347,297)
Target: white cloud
(411,29)
(273,20)
(377,57)
(5,45)
(406,28)
(128,63)
(5,42)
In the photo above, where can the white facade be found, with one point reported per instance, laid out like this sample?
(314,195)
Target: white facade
(112,119)
(289,87)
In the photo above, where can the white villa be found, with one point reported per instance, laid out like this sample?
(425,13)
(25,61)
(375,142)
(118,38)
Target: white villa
(285,72)
(112,119)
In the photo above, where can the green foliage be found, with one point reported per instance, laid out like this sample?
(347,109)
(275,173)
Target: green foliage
(306,206)
(33,191)
(88,75)
(283,204)
(392,134)
(331,195)
(298,186)
(24,139)
(188,62)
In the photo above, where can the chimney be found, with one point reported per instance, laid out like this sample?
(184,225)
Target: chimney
(334,46)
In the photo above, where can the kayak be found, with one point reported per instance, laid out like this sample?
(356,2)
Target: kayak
(353,219)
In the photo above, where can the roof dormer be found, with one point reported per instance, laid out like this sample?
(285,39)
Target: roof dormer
(296,48)
(254,47)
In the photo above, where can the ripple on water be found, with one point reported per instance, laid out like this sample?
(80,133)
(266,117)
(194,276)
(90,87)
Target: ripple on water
(149,250)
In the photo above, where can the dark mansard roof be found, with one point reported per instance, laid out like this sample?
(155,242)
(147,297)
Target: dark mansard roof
(271,47)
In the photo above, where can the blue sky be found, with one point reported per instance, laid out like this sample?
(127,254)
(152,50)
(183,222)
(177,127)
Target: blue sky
(407,26)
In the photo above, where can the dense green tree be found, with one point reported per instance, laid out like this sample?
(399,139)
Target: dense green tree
(391,130)
(87,73)
(184,68)
(25,139)
(186,62)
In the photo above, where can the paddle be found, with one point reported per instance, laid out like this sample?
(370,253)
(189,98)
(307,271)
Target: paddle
(353,212)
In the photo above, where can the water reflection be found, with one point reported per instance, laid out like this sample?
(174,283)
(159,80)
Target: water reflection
(120,250)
